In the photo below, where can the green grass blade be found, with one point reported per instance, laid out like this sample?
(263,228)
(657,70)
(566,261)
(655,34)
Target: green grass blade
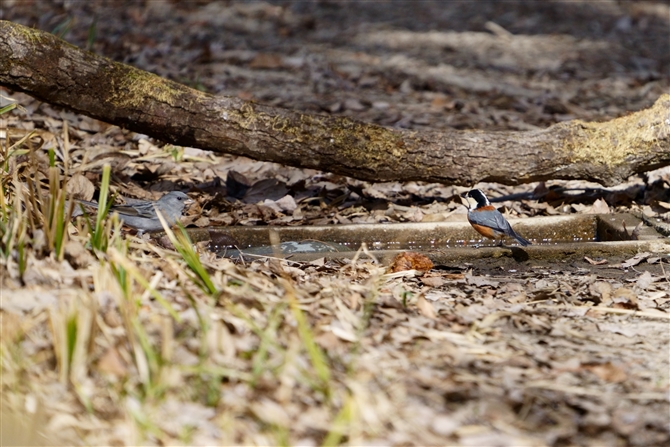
(316,356)
(342,420)
(100,238)
(182,243)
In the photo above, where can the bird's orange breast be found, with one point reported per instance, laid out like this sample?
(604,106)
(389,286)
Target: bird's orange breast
(484,231)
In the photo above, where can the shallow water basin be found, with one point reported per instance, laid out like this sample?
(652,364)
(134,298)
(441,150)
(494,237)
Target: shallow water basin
(551,236)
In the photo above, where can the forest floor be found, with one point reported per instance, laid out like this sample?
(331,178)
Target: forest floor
(129,345)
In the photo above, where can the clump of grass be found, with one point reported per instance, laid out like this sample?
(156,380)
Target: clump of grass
(38,204)
(43,211)
(267,340)
(14,234)
(99,232)
(54,208)
(73,328)
(13,229)
(125,269)
(184,246)
(316,356)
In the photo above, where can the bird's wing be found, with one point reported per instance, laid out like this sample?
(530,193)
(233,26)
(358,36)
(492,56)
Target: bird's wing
(502,225)
(144,209)
(491,219)
(506,228)
(87,203)
(496,221)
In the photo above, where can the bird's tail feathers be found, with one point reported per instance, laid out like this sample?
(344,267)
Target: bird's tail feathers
(522,241)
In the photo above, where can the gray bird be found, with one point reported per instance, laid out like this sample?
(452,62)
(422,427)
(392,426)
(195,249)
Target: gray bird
(141,214)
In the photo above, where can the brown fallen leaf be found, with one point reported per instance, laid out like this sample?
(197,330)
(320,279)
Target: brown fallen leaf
(10,326)
(105,155)
(266,60)
(80,187)
(602,290)
(480,281)
(425,307)
(635,260)
(202,222)
(328,341)
(165,242)
(270,412)
(112,363)
(410,261)
(624,298)
(77,255)
(445,425)
(433,281)
(594,262)
(354,300)
(644,280)
(606,371)
(599,207)
(454,276)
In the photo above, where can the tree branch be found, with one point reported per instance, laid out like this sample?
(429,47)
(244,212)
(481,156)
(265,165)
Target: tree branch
(54,71)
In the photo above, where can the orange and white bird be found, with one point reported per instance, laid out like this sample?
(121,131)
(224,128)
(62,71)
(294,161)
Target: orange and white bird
(487,220)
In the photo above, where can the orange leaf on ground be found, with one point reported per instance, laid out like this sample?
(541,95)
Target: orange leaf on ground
(410,261)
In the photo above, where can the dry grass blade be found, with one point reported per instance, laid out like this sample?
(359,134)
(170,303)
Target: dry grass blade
(267,338)
(132,270)
(316,355)
(13,227)
(14,151)
(73,330)
(184,246)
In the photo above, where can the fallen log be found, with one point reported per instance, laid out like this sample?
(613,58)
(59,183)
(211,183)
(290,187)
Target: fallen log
(51,70)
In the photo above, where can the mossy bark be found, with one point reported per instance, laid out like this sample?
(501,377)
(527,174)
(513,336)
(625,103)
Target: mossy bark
(54,71)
